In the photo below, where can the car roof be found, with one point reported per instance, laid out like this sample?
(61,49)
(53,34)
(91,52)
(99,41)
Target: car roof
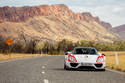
(84,47)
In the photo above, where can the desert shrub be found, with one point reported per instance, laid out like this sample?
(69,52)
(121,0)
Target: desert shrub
(59,47)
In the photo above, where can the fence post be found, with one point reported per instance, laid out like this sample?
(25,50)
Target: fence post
(41,53)
(116,57)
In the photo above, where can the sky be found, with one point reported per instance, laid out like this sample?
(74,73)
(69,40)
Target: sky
(112,11)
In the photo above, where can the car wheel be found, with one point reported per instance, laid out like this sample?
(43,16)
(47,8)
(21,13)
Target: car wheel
(103,70)
(99,69)
(65,67)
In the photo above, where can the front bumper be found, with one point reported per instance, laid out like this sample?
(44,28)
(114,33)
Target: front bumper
(86,65)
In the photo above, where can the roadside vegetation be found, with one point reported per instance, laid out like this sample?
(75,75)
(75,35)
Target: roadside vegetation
(55,48)
(36,48)
(111,62)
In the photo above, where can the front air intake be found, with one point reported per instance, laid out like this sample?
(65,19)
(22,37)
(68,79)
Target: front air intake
(98,65)
(73,64)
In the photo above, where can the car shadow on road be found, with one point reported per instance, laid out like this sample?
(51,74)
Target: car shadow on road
(58,69)
(83,70)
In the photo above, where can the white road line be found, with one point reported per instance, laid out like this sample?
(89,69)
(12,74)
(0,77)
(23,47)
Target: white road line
(123,73)
(43,67)
(46,81)
(43,72)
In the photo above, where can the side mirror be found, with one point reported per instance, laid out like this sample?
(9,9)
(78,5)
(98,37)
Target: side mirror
(66,53)
(104,54)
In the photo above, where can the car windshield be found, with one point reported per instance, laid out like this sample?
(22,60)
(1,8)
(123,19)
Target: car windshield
(90,51)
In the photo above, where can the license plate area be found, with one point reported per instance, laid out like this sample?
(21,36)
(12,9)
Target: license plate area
(86,64)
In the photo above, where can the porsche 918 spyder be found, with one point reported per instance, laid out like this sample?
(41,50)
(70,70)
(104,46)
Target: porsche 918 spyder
(84,57)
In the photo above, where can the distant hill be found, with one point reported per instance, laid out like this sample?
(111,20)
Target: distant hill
(52,23)
(120,30)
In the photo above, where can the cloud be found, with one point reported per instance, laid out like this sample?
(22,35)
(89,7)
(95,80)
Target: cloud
(117,9)
(112,13)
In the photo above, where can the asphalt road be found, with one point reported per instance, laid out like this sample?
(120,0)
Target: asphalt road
(49,69)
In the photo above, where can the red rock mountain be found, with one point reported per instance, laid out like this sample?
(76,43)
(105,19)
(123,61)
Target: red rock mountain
(18,14)
(52,22)
(106,25)
(89,17)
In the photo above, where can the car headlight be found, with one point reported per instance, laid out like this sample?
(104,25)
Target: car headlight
(100,59)
(72,59)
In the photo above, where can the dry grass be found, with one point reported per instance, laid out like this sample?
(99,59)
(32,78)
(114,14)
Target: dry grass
(15,56)
(111,60)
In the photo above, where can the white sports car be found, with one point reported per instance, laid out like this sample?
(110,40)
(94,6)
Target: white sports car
(84,57)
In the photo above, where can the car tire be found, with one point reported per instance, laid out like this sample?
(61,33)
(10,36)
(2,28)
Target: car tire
(99,69)
(65,67)
(103,69)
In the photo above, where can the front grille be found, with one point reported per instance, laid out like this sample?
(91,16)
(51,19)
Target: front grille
(73,64)
(98,65)
(86,67)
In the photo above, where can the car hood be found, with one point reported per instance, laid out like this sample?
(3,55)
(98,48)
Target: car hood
(86,58)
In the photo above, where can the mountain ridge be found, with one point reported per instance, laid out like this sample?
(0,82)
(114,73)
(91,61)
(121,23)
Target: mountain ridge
(18,14)
(52,22)
(120,30)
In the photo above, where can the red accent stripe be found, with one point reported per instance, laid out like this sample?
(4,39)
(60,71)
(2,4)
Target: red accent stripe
(71,56)
(100,57)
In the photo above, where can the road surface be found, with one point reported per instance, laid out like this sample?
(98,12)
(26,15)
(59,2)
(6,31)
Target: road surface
(49,69)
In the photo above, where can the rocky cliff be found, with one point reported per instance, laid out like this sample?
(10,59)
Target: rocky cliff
(52,22)
(18,14)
